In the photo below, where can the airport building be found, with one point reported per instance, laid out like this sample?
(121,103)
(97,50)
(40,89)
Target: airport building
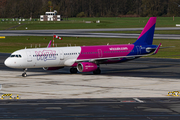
(50,16)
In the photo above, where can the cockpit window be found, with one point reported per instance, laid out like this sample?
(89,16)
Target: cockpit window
(17,56)
(12,56)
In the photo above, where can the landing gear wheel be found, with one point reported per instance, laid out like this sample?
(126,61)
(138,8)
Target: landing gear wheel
(73,70)
(97,71)
(24,74)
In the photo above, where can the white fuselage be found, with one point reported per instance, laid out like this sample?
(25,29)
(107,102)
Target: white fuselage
(43,57)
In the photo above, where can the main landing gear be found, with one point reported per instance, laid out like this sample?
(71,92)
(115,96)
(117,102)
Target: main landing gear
(24,74)
(73,70)
(97,71)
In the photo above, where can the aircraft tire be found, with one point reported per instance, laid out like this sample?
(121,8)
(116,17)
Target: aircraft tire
(97,71)
(73,70)
(24,74)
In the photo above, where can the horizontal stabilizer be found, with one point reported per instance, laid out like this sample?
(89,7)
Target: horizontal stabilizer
(167,47)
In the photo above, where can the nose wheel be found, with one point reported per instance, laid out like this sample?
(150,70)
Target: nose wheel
(24,74)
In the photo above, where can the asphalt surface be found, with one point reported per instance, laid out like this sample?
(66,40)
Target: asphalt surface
(102,108)
(88,33)
(92,109)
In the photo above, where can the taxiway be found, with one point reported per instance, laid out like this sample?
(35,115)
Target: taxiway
(144,77)
(132,90)
(88,33)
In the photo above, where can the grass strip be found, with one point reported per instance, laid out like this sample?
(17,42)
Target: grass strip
(13,43)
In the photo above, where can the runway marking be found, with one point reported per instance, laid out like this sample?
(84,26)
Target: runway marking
(2,37)
(67,103)
(128,101)
(57,108)
(138,100)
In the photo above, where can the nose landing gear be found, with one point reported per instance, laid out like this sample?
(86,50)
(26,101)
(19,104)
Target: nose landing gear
(24,74)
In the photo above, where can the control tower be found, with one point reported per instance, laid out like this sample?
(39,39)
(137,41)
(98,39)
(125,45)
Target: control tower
(50,16)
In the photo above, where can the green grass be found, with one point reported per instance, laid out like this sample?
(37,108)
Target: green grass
(6,25)
(78,23)
(11,44)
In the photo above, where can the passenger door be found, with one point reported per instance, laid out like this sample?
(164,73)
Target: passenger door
(29,57)
(100,53)
(61,54)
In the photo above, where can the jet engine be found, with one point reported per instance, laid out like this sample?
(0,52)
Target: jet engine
(86,67)
(52,68)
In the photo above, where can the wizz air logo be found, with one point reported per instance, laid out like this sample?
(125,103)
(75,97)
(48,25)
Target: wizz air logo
(46,55)
(118,48)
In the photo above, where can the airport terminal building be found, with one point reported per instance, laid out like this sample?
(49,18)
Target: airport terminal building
(50,16)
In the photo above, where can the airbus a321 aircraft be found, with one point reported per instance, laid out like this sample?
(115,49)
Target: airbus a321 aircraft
(84,58)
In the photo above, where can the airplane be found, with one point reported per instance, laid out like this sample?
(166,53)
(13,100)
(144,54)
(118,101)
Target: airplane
(84,58)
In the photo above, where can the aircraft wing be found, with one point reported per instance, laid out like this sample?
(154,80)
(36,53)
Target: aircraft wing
(118,57)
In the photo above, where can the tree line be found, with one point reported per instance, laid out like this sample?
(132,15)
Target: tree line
(89,8)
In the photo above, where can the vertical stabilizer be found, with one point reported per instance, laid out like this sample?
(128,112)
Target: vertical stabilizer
(146,36)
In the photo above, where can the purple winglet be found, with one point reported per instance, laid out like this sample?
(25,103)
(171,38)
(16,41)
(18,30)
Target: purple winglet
(49,45)
(157,48)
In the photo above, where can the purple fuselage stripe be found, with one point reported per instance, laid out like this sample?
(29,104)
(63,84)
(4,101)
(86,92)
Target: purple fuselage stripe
(104,51)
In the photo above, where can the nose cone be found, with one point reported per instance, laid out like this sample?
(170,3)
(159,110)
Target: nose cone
(7,62)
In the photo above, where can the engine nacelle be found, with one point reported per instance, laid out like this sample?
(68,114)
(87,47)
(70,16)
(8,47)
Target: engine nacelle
(86,67)
(52,68)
